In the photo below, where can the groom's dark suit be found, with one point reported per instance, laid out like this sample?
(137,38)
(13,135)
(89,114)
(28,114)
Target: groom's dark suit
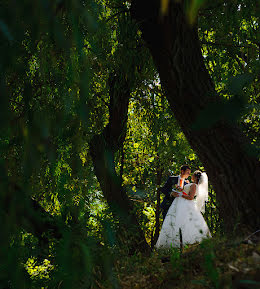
(166,190)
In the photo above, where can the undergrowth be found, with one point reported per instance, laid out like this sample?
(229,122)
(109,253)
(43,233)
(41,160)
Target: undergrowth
(215,263)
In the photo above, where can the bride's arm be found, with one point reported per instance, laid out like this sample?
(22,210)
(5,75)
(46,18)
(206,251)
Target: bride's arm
(191,194)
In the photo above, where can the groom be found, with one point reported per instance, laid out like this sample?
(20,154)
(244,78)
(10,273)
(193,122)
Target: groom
(170,184)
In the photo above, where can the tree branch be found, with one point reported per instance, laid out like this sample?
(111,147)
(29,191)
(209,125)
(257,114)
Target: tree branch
(117,13)
(226,44)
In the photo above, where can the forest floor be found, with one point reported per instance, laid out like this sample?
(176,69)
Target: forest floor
(216,263)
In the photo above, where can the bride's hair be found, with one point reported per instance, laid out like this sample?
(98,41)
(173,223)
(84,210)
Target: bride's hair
(197,175)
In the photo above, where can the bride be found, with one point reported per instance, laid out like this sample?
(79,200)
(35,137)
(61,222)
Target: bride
(185,214)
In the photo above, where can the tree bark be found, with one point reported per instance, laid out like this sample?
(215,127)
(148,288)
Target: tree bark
(102,148)
(222,147)
(155,237)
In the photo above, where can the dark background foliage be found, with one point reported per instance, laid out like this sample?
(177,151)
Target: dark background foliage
(57,62)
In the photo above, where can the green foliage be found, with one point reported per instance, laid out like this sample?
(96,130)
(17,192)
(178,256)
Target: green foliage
(38,271)
(228,34)
(175,259)
(216,263)
(55,61)
(209,266)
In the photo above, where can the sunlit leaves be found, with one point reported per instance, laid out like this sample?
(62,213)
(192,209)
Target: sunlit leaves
(228,34)
(154,148)
(36,271)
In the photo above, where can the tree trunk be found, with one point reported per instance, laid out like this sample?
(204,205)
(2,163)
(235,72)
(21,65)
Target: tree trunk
(222,148)
(159,173)
(102,149)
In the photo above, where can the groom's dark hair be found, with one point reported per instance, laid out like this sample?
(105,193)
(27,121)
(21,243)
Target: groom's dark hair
(184,168)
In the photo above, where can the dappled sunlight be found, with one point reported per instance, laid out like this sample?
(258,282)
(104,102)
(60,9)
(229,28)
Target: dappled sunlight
(102,102)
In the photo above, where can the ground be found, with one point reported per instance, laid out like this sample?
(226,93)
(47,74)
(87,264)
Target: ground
(217,263)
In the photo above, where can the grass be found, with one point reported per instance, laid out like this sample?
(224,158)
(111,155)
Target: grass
(215,263)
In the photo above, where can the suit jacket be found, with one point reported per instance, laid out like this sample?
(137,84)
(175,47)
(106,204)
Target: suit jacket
(166,190)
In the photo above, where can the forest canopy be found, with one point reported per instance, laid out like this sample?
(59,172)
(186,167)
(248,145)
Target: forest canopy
(101,101)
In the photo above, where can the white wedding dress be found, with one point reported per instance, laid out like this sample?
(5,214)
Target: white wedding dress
(185,215)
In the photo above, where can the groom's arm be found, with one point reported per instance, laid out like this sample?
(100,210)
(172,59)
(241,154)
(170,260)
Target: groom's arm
(166,189)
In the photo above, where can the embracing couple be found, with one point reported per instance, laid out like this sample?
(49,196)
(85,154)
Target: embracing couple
(182,207)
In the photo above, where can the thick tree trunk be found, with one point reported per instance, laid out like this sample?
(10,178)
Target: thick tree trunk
(102,149)
(222,148)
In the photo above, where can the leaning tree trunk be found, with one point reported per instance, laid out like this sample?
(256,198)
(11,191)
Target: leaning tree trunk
(222,148)
(102,148)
